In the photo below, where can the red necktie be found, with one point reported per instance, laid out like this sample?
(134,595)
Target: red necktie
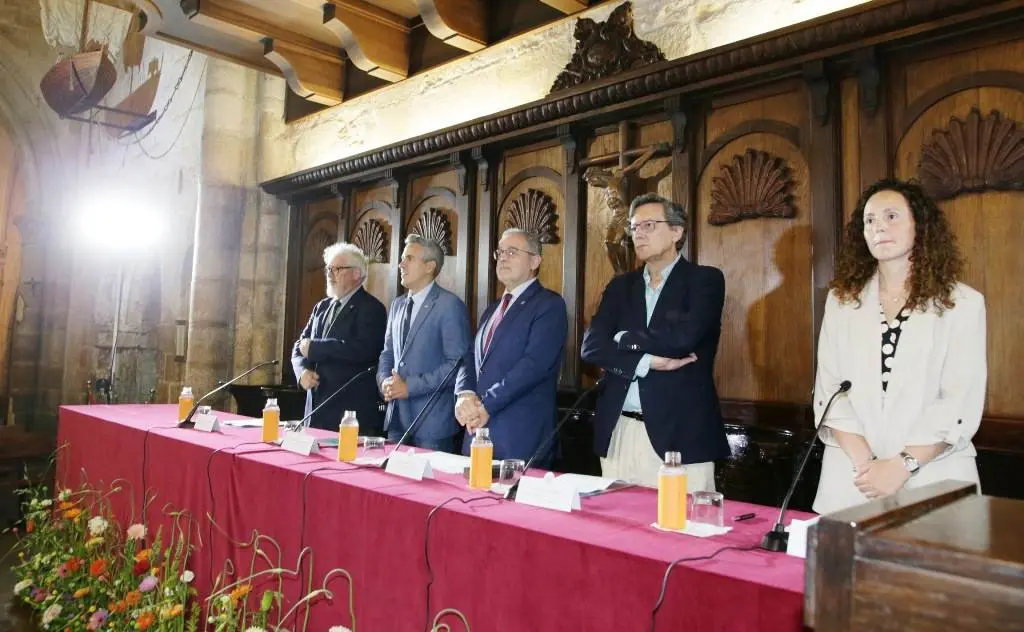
(496,320)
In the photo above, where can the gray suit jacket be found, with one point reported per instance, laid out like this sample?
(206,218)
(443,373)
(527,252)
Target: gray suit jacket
(438,338)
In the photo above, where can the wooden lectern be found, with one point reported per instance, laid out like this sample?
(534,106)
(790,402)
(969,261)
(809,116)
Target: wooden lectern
(937,558)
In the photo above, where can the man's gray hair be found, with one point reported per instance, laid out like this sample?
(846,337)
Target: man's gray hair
(532,240)
(356,257)
(675,214)
(431,250)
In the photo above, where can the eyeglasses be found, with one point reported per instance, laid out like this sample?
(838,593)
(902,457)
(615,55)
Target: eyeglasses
(511,252)
(338,269)
(645,226)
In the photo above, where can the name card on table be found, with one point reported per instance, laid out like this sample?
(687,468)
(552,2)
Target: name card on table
(797,543)
(205,421)
(300,443)
(547,493)
(409,465)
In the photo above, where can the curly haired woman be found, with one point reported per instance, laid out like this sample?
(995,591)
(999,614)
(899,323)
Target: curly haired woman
(911,340)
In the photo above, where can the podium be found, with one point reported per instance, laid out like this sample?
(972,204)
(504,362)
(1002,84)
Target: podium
(937,558)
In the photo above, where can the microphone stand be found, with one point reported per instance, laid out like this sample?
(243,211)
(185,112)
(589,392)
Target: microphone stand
(304,422)
(187,422)
(777,539)
(420,415)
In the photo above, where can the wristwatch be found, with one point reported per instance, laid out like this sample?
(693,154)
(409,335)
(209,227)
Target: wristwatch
(911,463)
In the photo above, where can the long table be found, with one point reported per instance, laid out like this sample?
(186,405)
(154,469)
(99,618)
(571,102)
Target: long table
(503,565)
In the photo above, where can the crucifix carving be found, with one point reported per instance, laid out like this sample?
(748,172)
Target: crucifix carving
(614,181)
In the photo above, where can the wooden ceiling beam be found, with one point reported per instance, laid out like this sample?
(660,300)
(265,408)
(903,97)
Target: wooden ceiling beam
(567,7)
(310,75)
(459,23)
(375,40)
(152,17)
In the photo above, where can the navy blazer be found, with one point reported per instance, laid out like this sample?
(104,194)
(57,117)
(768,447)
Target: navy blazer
(438,338)
(352,345)
(681,409)
(518,378)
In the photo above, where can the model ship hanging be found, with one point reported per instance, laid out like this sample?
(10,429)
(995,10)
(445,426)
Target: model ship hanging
(75,85)
(606,48)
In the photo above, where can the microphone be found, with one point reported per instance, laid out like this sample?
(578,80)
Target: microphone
(777,539)
(304,422)
(512,491)
(420,415)
(187,422)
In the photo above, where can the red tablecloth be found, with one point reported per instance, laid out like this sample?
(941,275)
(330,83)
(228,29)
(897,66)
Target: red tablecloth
(505,566)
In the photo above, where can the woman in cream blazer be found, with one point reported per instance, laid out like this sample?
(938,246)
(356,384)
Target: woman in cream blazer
(913,407)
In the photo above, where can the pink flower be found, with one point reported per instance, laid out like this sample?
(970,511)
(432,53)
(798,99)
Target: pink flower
(97,619)
(136,531)
(148,584)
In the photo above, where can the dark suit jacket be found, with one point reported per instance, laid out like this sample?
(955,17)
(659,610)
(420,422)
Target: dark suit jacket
(681,410)
(438,338)
(518,378)
(352,345)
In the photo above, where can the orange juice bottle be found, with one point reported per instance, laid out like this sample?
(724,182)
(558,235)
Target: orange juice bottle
(672,492)
(348,436)
(481,455)
(185,401)
(271,420)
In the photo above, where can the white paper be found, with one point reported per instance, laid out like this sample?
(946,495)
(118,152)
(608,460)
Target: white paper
(205,422)
(585,485)
(370,460)
(448,463)
(248,422)
(547,493)
(300,443)
(409,464)
(797,543)
(696,529)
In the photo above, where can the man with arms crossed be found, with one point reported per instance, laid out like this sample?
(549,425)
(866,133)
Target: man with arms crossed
(656,335)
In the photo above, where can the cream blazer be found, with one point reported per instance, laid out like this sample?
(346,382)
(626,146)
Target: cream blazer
(936,389)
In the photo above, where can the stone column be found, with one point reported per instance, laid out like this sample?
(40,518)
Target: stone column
(226,190)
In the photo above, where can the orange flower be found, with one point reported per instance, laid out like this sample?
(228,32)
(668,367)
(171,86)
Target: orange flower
(65,505)
(133,598)
(142,556)
(72,514)
(74,564)
(239,593)
(177,610)
(117,606)
(145,620)
(81,592)
(98,567)
(30,526)
(155,571)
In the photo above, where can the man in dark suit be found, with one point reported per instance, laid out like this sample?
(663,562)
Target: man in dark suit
(656,335)
(510,376)
(428,332)
(343,338)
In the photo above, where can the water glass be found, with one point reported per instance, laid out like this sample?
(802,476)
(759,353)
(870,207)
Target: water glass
(511,471)
(706,508)
(371,443)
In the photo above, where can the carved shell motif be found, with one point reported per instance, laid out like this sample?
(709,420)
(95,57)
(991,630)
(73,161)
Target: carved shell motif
(534,211)
(316,242)
(372,239)
(756,184)
(974,155)
(433,224)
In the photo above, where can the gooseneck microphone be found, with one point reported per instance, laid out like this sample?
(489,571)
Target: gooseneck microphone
(777,539)
(423,411)
(512,491)
(304,422)
(187,422)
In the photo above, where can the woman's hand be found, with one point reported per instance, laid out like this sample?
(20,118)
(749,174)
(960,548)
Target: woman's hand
(883,477)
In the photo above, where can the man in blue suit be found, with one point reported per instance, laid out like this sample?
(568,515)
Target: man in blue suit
(428,333)
(341,341)
(510,377)
(656,335)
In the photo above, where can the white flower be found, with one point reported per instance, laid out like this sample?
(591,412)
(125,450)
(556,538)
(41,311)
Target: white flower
(255,629)
(187,576)
(51,613)
(46,502)
(22,585)
(64,494)
(136,532)
(339,628)
(97,525)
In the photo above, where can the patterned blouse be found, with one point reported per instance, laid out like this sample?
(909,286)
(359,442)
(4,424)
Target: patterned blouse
(890,338)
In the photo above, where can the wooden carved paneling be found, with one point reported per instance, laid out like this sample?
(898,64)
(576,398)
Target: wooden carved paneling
(534,212)
(313,251)
(754,184)
(374,238)
(433,224)
(975,155)
(606,48)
